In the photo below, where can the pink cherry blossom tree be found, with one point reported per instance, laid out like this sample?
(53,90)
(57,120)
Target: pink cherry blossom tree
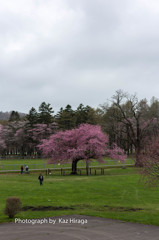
(150,161)
(2,141)
(20,139)
(83,143)
(38,132)
(9,136)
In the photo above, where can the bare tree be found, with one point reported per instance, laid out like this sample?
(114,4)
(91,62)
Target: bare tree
(133,115)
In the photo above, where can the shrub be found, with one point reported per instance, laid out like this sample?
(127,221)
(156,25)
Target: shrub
(13,206)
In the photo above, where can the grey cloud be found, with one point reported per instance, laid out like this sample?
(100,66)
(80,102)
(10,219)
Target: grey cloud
(76,51)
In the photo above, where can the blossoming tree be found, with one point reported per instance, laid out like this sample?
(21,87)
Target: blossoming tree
(83,143)
(150,160)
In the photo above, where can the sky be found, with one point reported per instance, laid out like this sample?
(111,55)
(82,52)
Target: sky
(77,51)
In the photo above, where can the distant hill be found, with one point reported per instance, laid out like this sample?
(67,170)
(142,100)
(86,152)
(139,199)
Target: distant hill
(6,115)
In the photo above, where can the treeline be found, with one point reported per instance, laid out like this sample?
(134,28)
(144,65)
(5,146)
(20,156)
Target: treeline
(5,116)
(127,120)
(66,118)
(20,135)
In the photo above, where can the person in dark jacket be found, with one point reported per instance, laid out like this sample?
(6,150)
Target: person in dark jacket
(26,169)
(41,179)
(21,168)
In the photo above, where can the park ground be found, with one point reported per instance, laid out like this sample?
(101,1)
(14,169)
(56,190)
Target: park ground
(15,164)
(119,194)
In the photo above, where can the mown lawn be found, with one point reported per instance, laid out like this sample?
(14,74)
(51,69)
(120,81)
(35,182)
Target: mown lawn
(118,194)
(15,164)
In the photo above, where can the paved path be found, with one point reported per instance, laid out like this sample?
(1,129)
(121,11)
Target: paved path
(62,229)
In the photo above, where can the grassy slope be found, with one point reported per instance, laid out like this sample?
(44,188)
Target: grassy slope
(111,195)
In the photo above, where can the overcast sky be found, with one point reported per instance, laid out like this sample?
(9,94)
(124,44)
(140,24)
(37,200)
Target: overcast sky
(77,51)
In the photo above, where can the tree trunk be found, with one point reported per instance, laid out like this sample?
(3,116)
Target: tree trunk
(138,162)
(87,168)
(138,147)
(74,167)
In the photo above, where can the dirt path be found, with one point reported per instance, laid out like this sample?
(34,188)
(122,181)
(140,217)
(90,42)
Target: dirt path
(85,228)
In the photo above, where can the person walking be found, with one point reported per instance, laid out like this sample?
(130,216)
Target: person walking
(26,169)
(41,179)
(21,169)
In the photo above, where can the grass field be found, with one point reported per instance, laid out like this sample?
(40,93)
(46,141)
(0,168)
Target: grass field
(118,194)
(42,163)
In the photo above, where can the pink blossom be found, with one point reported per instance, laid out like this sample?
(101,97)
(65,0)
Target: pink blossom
(85,142)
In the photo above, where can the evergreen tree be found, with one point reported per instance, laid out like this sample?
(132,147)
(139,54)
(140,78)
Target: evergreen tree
(65,118)
(45,113)
(14,116)
(32,117)
(85,115)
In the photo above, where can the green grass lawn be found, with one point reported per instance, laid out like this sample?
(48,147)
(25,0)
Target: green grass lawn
(15,164)
(118,194)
